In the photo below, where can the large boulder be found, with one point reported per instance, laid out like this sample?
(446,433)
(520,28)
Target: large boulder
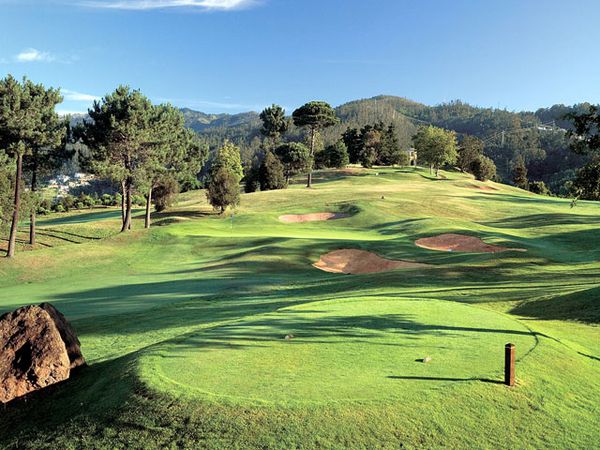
(38,348)
(67,333)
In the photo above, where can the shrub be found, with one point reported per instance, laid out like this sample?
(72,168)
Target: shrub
(539,187)
(483,168)
(223,189)
(336,155)
(271,173)
(251,180)
(165,194)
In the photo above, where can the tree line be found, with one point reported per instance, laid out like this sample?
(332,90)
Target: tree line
(148,151)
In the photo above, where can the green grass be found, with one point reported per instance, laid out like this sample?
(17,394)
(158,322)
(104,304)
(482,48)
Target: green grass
(184,325)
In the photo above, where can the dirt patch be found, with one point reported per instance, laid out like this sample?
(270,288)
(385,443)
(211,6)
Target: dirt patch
(481,187)
(313,217)
(461,243)
(360,261)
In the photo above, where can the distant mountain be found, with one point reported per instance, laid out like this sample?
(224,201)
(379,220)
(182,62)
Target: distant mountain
(537,136)
(199,121)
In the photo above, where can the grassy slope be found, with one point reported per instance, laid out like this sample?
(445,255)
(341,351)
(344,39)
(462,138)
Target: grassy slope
(183,325)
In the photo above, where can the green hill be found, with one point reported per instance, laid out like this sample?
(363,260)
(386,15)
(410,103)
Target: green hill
(185,325)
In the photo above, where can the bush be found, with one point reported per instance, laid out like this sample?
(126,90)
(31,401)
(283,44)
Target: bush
(165,194)
(336,155)
(68,202)
(251,180)
(271,174)
(138,200)
(223,189)
(539,187)
(108,200)
(44,207)
(59,208)
(483,168)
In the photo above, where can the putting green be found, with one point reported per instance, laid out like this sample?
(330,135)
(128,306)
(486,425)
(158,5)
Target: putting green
(367,350)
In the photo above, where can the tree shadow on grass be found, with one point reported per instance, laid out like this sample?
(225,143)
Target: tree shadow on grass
(583,306)
(484,380)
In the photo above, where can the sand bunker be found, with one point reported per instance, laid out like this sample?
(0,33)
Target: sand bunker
(461,243)
(360,261)
(296,218)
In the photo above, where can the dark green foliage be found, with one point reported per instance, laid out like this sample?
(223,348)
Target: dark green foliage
(470,150)
(223,188)
(506,133)
(371,138)
(353,140)
(28,122)
(165,194)
(336,156)
(586,184)
(375,145)
(483,168)
(520,173)
(539,187)
(314,116)
(119,134)
(295,158)
(251,179)
(274,123)
(391,153)
(436,146)
(585,136)
(271,174)
(7,174)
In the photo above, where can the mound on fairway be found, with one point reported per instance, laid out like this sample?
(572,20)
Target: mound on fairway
(367,350)
(452,242)
(355,262)
(312,217)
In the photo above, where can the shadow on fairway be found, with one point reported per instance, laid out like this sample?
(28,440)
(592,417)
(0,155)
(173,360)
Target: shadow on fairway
(484,380)
(583,305)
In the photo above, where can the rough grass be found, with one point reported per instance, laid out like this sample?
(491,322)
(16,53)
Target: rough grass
(184,325)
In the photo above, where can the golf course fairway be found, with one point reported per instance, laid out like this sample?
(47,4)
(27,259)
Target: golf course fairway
(216,331)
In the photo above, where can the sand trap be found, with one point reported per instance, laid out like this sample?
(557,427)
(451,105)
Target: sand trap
(313,217)
(360,261)
(461,243)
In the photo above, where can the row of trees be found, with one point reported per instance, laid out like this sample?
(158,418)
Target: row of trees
(140,146)
(374,145)
(145,148)
(32,137)
(279,160)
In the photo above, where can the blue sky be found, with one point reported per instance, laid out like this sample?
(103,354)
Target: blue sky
(239,55)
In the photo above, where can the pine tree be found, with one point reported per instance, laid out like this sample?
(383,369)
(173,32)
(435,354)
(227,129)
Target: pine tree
(120,136)
(274,124)
(314,116)
(27,119)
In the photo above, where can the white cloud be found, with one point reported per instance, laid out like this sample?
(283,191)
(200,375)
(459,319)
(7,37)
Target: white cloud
(33,55)
(75,96)
(140,5)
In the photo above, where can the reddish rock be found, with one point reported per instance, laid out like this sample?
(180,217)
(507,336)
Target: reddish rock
(67,334)
(33,354)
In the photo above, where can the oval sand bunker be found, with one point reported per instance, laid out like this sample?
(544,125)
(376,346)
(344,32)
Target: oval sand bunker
(356,262)
(452,242)
(313,217)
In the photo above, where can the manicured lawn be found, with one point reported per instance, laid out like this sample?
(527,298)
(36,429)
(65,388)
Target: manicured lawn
(184,325)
